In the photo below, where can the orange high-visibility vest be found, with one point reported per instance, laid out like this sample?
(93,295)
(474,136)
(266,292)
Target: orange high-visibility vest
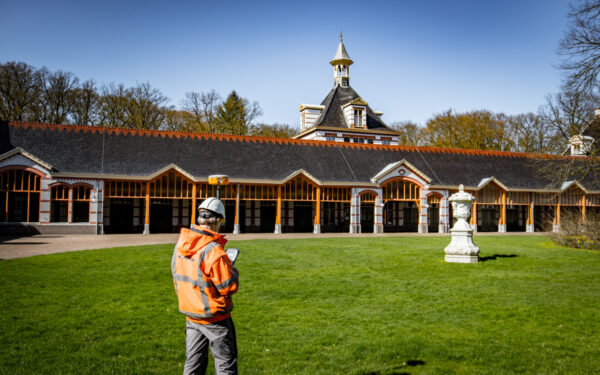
(205,281)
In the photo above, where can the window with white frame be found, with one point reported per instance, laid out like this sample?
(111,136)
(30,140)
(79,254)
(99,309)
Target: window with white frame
(358,121)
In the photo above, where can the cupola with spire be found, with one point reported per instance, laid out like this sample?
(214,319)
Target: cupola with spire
(341,65)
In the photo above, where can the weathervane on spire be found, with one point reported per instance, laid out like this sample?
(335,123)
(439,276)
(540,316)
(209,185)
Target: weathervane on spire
(341,37)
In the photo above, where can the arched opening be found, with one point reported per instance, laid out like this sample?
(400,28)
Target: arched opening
(401,198)
(20,195)
(367,211)
(81,203)
(433,212)
(59,203)
(544,212)
(489,208)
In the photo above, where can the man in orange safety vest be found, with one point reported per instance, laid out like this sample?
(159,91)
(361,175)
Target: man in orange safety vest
(205,280)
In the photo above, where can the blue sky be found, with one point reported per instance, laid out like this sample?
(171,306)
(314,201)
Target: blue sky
(412,59)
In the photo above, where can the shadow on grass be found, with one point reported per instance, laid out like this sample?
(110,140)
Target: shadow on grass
(398,369)
(496,256)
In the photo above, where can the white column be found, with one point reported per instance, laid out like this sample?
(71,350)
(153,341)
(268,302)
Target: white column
(423,227)
(355,212)
(45,196)
(70,207)
(444,223)
(378,225)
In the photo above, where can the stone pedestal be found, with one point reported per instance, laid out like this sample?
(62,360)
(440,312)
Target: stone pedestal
(556,228)
(378,228)
(277,229)
(146,229)
(236,229)
(501,228)
(529,228)
(461,258)
(317,229)
(461,248)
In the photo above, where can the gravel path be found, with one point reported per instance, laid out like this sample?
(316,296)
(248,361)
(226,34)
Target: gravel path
(20,247)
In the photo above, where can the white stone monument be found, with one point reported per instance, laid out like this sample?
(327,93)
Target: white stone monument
(461,248)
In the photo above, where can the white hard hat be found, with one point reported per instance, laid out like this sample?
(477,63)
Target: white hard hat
(214,205)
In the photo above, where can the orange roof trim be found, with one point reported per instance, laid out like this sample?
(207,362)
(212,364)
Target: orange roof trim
(272,140)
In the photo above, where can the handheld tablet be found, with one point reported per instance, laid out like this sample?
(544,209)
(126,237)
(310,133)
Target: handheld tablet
(232,253)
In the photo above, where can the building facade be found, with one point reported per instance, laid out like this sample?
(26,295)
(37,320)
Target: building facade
(344,172)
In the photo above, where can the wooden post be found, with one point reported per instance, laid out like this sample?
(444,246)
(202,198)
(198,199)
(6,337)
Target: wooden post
(278,212)
(317,226)
(147,216)
(236,220)
(28,204)
(502,219)
(557,215)
(474,215)
(193,208)
(6,208)
(530,213)
(583,200)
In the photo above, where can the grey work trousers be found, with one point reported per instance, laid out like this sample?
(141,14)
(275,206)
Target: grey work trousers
(220,336)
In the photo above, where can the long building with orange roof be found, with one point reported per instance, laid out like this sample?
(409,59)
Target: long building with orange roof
(344,172)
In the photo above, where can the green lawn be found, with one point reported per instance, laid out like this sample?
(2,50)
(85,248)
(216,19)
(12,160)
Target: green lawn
(322,306)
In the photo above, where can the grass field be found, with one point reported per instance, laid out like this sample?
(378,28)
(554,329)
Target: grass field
(316,306)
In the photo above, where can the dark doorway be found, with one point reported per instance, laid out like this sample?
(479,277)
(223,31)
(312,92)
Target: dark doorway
(515,218)
(433,218)
(543,216)
(121,216)
(18,209)
(366,217)
(230,217)
(161,216)
(267,217)
(410,217)
(488,219)
(303,220)
(81,212)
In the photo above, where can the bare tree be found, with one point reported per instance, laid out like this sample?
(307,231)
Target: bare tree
(411,134)
(58,96)
(569,112)
(273,130)
(532,134)
(85,104)
(203,108)
(139,107)
(20,89)
(581,46)
(146,107)
(112,110)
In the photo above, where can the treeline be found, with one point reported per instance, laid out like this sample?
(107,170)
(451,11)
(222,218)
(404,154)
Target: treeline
(39,95)
(485,130)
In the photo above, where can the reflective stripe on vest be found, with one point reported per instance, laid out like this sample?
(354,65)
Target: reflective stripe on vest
(200,284)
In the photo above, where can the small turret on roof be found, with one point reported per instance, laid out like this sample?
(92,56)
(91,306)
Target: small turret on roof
(341,56)
(341,65)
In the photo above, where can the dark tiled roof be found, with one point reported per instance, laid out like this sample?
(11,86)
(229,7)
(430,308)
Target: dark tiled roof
(333,115)
(77,149)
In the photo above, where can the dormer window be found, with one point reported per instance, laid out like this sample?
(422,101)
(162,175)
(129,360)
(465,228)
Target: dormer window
(358,117)
(355,113)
